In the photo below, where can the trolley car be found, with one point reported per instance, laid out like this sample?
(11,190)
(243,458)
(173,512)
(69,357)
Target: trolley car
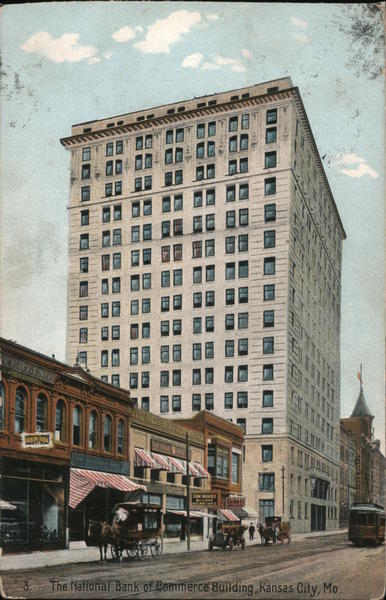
(366,524)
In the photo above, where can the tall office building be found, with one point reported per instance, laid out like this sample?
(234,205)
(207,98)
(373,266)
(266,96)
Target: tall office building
(205,272)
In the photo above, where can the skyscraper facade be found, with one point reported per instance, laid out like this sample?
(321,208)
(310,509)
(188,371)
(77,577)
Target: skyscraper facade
(205,272)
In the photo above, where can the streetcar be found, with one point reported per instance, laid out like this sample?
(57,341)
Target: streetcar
(366,524)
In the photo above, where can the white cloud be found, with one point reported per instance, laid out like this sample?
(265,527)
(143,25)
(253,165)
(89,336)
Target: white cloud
(222,61)
(355,166)
(192,61)
(212,17)
(126,33)
(107,55)
(207,66)
(62,49)
(246,53)
(94,60)
(299,23)
(166,32)
(301,37)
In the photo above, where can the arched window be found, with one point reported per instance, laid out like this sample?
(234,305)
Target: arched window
(93,430)
(19,410)
(60,421)
(121,437)
(107,434)
(77,426)
(2,406)
(41,413)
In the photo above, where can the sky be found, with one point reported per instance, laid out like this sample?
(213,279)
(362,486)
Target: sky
(65,63)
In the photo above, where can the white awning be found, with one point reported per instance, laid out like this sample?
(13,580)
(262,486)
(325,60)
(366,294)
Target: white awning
(144,459)
(226,515)
(83,481)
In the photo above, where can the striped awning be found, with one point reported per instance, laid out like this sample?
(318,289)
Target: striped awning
(162,462)
(202,473)
(83,481)
(175,465)
(226,515)
(144,459)
(193,514)
(4,505)
(192,470)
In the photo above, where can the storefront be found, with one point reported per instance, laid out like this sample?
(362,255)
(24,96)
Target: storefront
(38,493)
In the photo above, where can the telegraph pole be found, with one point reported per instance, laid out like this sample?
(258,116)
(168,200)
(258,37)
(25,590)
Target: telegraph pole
(187,494)
(282,488)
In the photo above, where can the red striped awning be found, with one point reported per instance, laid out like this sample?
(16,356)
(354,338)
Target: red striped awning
(144,459)
(83,481)
(202,473)
(192,470)
(193,514)
(226,514)
(176,466)
(161,461)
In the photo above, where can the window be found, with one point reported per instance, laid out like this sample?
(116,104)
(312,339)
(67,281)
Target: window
(267,453)
(267,372)
(84,241)
(270,160)
(232,167)
(177,327)
(83,313)
(178,202)
(266,426)
(164,404)
(209,324)
(230,244)
(115,332)
(243,265)
(179,135)
(83,289)
(229,348)
(60,421)
(107,425)
(245,121)
(197,274)
(197,224)
(145,379)
(211,149)
(117,237)
(210,273)
(169,178)
(266,482)
(228,376)
(164,354)
(197,249)
(85,193)
(104,358)
(269,239)
(196,402)
(148,162)
(145,330)
(200,150)
(146,232)
(233,124)
(209,350)
(117,212)
(200,131)
(41,413)
(117,260)
(86,153)
(242,373)
(244,141)
(169,136)
(269,292)
(267,401)
(134,283)
(134,307)
(118,167)
(269,266)
(86,172)
(271,116)
(231,218)
(270,135)
(199,173)
(176,403)
(165,229)
(133,356)
(229,322)
(197,300)
(269,212)
(270,186)
(244,191)
(82,359)
(268,345)
(229,296)
(77,426)
(243,165)
(121,437)
(197,325)
(209,401)
(176,377)
(145,404)
(243,295)
(108,189)
(243,217)
(147,208)
(210,298)
(243,320)
(138,162)
(177,352)
(196,352)
(133,381)
(165,300)
(243,346)
(230,271)
(228,400)
(242,399)
(177,227)
(146,281)
(177,277)
(178,177)
(139,143)
(269,318)
(146,256)
(212,128)
(138,184)
(83,337)
(93,430)
(177,302)
(164,328)
(84,217)
(210,171)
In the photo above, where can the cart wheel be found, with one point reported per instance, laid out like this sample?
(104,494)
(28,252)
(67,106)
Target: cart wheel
(156,547)
(243,544)
(131,552)
(115,552)
(231,544)
(141,550)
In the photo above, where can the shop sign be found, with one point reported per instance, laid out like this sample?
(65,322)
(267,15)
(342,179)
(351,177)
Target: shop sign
(99,463)
(39,439)
(176,450)
(208,499)
(235,502)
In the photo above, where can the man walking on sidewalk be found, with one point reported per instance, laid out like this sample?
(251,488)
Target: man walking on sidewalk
(251,532)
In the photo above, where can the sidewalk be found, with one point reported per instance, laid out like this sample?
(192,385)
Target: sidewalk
(37,560)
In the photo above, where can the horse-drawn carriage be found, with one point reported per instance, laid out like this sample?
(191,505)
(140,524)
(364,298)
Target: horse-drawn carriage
(275,531)
(228,536)
(136,531)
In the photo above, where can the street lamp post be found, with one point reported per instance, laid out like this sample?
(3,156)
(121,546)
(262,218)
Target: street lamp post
(187,494)
(282,489)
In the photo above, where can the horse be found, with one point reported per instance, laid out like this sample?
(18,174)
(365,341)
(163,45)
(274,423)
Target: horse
(103,534)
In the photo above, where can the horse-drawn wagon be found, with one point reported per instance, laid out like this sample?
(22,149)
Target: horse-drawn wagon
(136,531)
(275,531)
(228,536)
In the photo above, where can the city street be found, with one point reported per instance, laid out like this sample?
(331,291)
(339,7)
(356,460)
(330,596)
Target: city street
(323,568)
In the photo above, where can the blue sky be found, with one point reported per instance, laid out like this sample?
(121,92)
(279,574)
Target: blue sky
(65,63)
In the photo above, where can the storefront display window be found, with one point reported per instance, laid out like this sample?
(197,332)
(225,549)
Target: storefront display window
(19,410)
(38,492)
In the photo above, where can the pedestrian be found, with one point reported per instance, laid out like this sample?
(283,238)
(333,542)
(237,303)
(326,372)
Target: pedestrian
(275,534)
(251,532)
(261,531)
